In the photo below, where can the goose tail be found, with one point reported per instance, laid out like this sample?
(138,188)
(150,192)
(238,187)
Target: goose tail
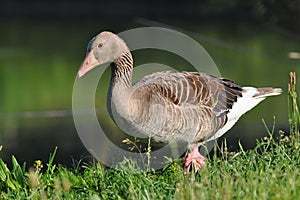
(267,91)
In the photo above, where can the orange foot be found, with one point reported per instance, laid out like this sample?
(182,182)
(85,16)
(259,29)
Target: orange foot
(194,158)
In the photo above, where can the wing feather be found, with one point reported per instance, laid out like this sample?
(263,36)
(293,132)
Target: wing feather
(202,93)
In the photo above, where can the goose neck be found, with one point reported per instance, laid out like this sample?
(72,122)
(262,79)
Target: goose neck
(121,70)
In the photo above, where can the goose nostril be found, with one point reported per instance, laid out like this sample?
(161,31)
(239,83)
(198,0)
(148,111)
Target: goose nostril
(87,61)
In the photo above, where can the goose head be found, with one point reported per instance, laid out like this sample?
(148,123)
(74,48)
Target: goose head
(106,47)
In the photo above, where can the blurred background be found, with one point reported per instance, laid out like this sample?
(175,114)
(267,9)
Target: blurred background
(42,45)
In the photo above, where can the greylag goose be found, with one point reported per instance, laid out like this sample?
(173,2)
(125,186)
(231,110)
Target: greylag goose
(170,106)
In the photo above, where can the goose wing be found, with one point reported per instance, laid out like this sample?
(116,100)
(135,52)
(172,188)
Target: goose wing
(193,89)
(214,97)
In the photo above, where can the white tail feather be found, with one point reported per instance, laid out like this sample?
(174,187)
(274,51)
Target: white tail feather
(251,97)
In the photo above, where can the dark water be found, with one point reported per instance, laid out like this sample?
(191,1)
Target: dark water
(39,61)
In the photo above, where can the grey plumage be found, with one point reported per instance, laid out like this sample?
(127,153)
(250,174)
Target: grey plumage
(189,106)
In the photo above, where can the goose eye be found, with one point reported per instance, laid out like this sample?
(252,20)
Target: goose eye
(100,45)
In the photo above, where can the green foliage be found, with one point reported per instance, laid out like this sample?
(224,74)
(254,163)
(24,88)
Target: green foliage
(269,171)
(293,111)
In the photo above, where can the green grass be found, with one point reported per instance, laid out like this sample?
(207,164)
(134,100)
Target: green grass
(269,171)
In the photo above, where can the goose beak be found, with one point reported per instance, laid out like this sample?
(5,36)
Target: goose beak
(89,63)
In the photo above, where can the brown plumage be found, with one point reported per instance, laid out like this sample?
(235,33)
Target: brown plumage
(188,106)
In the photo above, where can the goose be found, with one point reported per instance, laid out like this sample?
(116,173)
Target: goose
(184,106)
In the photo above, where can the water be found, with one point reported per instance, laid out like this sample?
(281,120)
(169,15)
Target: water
(39,62)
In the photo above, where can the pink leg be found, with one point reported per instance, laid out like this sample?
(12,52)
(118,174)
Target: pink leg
(193,158)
